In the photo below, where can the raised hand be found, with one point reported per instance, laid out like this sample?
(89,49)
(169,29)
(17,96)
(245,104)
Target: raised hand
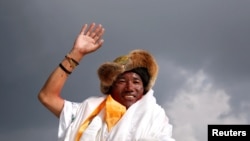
(89,39)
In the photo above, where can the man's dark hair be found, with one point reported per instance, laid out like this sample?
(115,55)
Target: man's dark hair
(143,73)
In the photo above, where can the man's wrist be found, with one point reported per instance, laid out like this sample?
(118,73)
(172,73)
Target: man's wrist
(72,61)
(67,65)
(76,55)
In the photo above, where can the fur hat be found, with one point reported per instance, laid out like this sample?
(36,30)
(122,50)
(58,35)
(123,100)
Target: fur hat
(138,58)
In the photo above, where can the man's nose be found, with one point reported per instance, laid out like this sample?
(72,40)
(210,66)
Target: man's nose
(129,86)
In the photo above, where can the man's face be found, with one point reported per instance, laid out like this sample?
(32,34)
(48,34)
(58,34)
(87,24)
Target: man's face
(127,89)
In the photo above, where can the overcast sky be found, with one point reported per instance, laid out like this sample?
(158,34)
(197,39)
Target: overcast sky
(202,48)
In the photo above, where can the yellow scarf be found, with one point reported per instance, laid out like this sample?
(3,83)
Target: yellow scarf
(114,112)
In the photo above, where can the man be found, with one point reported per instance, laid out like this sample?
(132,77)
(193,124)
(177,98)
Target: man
(126,112)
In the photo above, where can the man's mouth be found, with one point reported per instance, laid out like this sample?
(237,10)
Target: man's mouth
(129,97)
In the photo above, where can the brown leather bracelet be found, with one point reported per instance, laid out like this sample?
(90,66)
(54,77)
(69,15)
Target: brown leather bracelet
(70,59)
(64,69)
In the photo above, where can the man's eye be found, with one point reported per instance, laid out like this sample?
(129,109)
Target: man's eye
(136,82)
(121,80)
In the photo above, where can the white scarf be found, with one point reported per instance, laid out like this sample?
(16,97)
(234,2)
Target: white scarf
(145,120)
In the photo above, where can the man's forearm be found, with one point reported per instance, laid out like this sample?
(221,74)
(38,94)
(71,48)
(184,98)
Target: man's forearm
(50,94)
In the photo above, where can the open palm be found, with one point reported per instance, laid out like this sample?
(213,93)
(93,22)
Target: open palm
(89,39)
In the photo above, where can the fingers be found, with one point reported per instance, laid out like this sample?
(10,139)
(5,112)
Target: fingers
(93,31)
(83,29)
(90,30)
(99,43)
(99,34)
(96,31)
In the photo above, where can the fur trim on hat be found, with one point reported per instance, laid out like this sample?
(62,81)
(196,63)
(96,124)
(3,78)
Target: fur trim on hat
(109,71)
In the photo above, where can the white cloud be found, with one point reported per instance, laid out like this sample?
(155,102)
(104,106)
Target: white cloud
(196,104)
